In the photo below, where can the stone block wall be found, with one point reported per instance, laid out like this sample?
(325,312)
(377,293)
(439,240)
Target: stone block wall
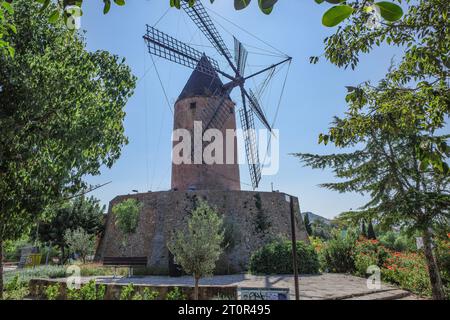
(251,219)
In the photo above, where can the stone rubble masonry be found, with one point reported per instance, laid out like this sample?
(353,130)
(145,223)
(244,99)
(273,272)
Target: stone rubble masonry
(251,218)
(190,176)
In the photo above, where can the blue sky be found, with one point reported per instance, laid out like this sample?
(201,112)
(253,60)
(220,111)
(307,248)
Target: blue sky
(314,93)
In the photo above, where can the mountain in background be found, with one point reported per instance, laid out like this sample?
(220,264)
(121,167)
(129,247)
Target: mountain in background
(313,217)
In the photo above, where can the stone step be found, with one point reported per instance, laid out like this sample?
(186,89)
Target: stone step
(384,295)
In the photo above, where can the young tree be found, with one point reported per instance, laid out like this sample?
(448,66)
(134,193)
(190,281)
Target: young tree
(371,232)
(363,229)
(127,217)
(81,212)
(308,225)
(198,248)
(61,117)
(80,242)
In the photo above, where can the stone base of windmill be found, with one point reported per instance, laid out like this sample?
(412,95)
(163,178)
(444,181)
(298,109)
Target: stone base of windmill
(251,220)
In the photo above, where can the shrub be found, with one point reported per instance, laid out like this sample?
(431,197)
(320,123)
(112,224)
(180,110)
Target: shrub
(52,291)
(276,258)
(337,253)
(176,294)
(89,291)
(127,292)
(367,253)
(409,271)
(397,241)
(147,294)
(16,289)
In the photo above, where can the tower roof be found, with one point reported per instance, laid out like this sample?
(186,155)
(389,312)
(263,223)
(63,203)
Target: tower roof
(200,83)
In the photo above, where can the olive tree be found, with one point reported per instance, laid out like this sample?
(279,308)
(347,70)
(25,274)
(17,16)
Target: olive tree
(80,242)
(198,247)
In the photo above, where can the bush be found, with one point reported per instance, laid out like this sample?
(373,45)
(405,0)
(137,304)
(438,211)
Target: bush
(367,253)
(337,253)
(276,258)
(16,289)
(52,291)
(89,291)
(147,294)
(176,294)
(398,241)
(12,249)
(409,271)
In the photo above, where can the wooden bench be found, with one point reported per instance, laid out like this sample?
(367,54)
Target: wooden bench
(128,262)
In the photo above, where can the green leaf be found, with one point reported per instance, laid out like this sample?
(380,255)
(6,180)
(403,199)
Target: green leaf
(390,11)
(336,15)
(175,3)
(11,51)
(54,16)
(266,6)
(107,6)
(241,4)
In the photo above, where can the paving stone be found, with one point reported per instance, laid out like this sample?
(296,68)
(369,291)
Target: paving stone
(317,287)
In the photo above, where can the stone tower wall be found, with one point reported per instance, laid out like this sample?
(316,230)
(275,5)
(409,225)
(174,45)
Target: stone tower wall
(199,176)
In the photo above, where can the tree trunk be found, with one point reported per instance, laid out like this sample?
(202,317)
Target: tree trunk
(196,287)
(1,269)
(433,270)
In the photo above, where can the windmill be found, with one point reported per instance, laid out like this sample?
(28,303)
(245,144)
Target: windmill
(216,114)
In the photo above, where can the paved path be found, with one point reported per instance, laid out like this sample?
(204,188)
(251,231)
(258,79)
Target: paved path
(312,287)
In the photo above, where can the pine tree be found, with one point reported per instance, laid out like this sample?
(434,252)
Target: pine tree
(371,232)
(363,230)
(307,225)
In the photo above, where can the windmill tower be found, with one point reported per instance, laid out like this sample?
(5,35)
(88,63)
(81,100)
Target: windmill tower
(205,98)
(204,104)
(197,96)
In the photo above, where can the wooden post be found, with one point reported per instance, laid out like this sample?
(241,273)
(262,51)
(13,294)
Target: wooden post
(294,248)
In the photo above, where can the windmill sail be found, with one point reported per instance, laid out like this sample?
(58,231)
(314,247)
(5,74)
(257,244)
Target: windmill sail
(254,103)
(162,45)
(201,18)
(240,56)
(251,150)
(216,114)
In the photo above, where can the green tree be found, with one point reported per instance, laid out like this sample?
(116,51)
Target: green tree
(81,212)
(127,217)
(363,229)
(198,248)
(80,242)
(61,117)
(371,232)
(6,28)
(321,230)
(307,225)
(401,157)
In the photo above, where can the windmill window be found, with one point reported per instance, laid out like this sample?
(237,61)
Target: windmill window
(193,105)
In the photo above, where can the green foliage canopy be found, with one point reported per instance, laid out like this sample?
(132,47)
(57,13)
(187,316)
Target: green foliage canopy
(198,247)
(61,116)
(127,215)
